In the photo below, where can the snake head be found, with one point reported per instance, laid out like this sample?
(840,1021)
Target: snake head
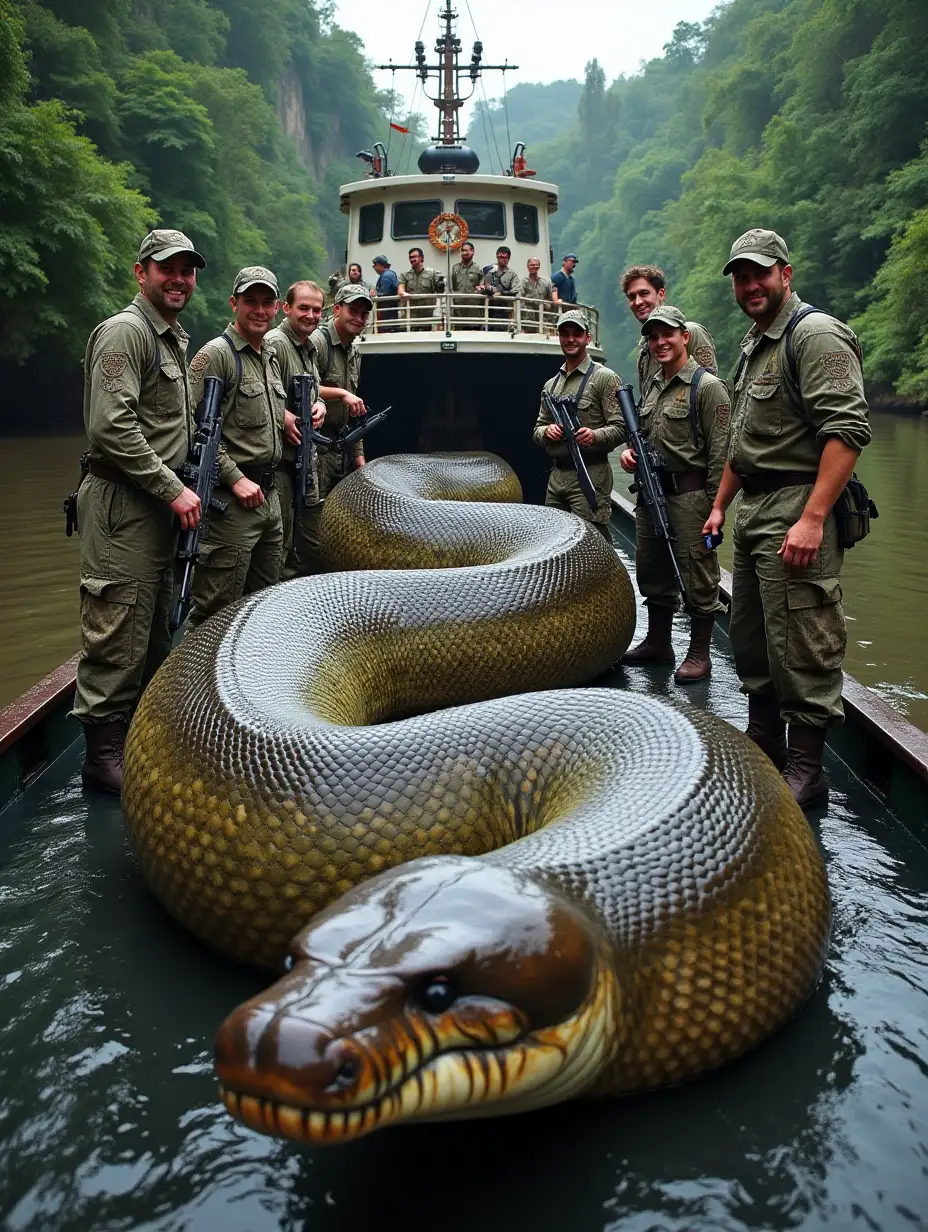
(446,988)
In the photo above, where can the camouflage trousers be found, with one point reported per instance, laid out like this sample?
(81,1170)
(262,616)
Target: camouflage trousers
(310,550)
(240,553)
(698,566)
(564,492)
(295,543)
(787,625)
(128,541)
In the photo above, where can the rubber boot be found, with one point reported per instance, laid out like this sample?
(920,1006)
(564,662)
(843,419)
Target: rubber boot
(656,646)
(697,665)
(766,728)
(102,769)
(803,772)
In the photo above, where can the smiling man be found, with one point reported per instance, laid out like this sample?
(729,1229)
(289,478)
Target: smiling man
(644,287)
(138,414)
(241,549)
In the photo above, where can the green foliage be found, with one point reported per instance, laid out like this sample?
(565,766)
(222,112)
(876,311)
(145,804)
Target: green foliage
(531,112)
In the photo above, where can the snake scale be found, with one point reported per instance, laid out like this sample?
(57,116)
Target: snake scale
(484,898)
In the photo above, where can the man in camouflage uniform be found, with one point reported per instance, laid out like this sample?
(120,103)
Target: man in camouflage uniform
(799,421)
(241,549)
(466,277)
(596,389)
(295,356)
(501,284)
(138,414)
(419,279)
(338,361)
(685,419)
(540,316)
(644,287)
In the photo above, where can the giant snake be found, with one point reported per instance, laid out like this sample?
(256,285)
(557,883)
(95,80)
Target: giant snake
(484,900)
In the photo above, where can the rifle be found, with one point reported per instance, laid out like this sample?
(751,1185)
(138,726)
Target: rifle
(648,465)
(302,397)
(563,412)
(201,473)
(350,433)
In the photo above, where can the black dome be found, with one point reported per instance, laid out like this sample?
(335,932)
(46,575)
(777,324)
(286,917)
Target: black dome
(459,159)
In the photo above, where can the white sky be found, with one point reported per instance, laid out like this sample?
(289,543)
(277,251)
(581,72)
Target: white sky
(548,39)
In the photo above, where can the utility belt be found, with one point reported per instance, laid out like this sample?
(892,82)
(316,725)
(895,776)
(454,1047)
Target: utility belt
(565,464)
(106,470)
(264,476)
(762,483)
(676,483)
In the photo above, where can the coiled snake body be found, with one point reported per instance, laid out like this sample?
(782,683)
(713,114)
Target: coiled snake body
(613,894)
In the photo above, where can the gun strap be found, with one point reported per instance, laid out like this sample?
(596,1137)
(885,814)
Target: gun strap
(239,369)
(156,357)
(578,396)
(694,404)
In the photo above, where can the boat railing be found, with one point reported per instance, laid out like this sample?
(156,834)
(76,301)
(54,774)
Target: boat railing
(453,311)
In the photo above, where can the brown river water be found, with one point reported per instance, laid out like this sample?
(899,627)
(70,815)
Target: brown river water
(885,578)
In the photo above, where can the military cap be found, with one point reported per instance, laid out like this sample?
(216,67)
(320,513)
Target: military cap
(575,317)
(570,256)
(351,292)
(665,314)
(760,246)
(163,243)
(380,260)
(252,276)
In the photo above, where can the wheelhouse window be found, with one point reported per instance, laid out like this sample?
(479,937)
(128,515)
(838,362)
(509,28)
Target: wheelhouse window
(525,223)
(411,218)
(370,223)
(486,220)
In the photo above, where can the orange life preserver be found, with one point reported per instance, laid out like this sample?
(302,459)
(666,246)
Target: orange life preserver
(445,222)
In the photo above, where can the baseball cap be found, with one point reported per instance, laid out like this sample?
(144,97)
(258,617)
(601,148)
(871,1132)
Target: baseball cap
(254,275)
(380,260)
(351,292)
(575,318)
(665,314)
(163,243)
(760,246)
(572,256)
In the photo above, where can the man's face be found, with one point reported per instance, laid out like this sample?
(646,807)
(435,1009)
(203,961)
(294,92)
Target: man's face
(354,273)
(379,268)
(168,285)
(350,319)
(305,313)
(467,253)
(759,291)
(416,260)
(573,340)
(254,310)
(667,344)
(534,265)
(502,260)
(643,298)
(570,265)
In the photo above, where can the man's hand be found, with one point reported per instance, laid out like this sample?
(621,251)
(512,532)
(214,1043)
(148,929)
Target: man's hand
(554,433)
(628,460)
(714,522)
(354,404)
(248,493)
(318,414)
(188,508)
(801,542)
(292,428)
(360,461)
(584,436)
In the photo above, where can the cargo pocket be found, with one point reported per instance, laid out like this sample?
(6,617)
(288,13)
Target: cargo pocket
(108,607)
(677,422)
(218,576)
(249,404)
(170,388)
(816,636)
(764,414)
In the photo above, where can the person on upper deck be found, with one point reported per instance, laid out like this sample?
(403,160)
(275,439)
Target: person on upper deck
(501,284)
(799,421)
(534,287)
(420,279)
(466,277)
(645,287)
(563,279)
(386,287)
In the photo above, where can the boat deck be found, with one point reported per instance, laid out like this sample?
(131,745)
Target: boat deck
(108,1103)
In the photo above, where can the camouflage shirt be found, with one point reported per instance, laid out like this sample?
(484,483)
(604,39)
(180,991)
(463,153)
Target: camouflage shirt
(504,282)
(294,357)
(598,409)
(700,347)
(776,425)
(424,282)
(338,366)
(667,426)
(252,407)
(466,278)
(539,289)
(138,406)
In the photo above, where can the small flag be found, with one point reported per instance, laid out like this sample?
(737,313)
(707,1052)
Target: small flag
(399,128)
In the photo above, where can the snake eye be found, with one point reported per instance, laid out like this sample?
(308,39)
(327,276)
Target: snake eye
(289,962)
(437,995)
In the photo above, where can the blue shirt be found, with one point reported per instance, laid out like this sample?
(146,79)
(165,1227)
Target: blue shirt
(388,284)
(566,289)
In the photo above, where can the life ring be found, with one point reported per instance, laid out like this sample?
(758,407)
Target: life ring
(447,231)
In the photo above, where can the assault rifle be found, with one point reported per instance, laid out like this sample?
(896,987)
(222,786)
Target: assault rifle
(302,397)
(201,473)
(648,465)
(563,412)
(351,433)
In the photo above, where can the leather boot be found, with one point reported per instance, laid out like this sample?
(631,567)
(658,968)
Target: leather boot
(766,728)
(697,665)
(102,769)
(803,773)
(656,646)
